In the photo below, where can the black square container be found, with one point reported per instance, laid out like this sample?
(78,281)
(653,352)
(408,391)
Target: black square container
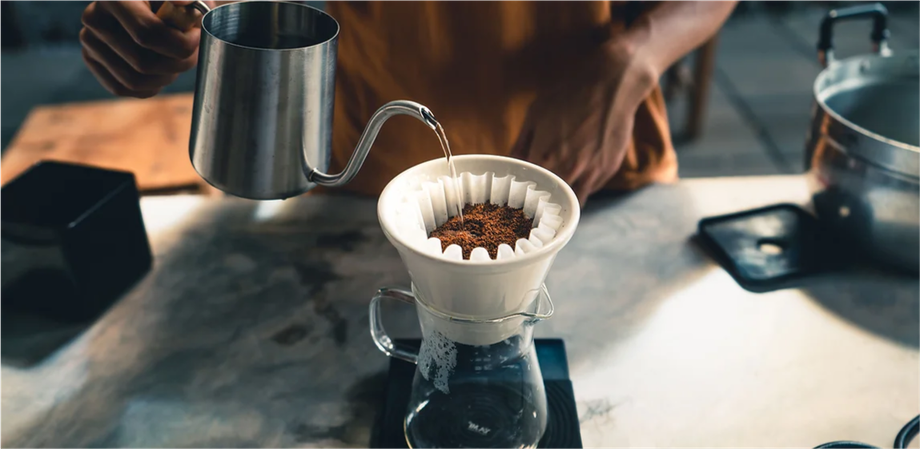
(73,240)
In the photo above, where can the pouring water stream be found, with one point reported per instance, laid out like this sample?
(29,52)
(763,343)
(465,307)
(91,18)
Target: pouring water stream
(445,146)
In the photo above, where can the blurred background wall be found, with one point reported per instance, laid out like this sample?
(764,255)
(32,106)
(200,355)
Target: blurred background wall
(57,22)
(738,106)
(51,23)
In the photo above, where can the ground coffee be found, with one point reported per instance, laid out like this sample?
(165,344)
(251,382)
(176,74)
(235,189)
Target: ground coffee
(484,225)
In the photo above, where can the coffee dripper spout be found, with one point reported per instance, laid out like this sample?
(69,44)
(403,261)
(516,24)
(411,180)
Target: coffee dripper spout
(393,108)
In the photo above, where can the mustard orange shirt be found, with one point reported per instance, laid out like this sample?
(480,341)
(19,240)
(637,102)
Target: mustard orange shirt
(477,66)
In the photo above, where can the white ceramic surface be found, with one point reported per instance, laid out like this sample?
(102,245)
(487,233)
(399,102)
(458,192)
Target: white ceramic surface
(478,289)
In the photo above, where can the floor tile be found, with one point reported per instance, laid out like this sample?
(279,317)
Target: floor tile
(724,131)
(786,119)
(746,164)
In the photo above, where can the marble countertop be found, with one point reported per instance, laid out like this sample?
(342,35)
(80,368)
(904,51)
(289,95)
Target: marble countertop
(251,330)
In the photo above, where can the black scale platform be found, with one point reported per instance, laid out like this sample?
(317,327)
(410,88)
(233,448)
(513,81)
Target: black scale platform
(562,430)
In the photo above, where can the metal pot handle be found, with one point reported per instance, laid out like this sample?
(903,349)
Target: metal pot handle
(879,35)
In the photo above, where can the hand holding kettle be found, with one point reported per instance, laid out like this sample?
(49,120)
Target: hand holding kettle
(132,51)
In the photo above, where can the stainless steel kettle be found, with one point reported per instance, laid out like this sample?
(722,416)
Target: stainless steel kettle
(262,116)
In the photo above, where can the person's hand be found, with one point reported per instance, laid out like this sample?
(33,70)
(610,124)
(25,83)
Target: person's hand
(581,129)
(131,51)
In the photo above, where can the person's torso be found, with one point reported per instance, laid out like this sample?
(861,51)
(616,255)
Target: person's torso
(476,65)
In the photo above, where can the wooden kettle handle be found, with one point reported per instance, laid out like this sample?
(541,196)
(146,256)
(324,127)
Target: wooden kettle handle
(182,17)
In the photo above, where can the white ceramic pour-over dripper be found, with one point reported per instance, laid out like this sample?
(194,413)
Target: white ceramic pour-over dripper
(480,289)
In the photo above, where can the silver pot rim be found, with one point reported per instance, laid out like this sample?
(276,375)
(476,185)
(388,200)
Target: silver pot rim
(907,157)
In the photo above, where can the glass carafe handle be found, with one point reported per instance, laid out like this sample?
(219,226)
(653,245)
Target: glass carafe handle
(379,334)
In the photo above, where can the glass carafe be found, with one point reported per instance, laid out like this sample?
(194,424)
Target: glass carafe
(477,381)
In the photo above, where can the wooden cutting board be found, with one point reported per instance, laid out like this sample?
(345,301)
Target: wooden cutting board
(147,137)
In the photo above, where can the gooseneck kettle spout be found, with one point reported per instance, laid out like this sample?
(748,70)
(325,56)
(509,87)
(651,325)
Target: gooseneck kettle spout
(262,116)
(399,107)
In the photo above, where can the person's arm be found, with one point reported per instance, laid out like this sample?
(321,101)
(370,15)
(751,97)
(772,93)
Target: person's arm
(667,31)
(131,51)
(582,127)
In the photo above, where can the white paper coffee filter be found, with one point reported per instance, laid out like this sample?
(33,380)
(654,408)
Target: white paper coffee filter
(428,203)
(423,197)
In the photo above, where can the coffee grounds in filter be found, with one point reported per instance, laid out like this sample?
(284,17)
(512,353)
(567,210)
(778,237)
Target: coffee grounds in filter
(424,203)
(484,225)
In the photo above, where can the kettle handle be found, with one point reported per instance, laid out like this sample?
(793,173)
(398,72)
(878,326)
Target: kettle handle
(879,35)
(379,334)
(182,17)
(398,107)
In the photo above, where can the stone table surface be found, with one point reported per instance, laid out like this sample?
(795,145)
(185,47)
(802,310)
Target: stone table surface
(251,330)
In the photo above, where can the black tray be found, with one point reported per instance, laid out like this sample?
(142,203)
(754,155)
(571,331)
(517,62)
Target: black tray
(741,243)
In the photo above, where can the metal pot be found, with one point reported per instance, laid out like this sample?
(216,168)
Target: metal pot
(863,148)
